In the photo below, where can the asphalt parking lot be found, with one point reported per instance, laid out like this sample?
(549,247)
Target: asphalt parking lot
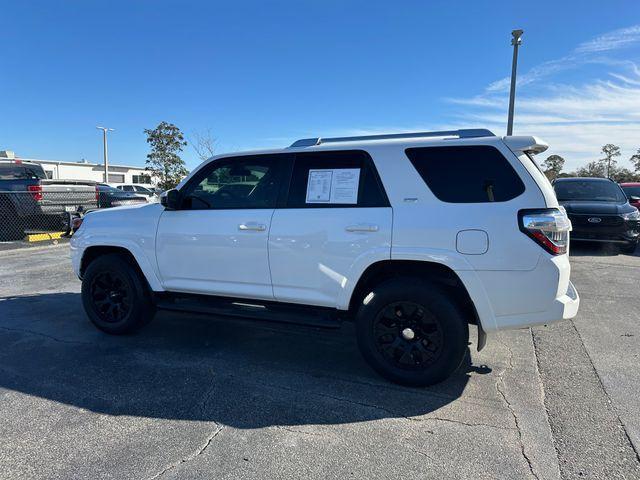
(196,397)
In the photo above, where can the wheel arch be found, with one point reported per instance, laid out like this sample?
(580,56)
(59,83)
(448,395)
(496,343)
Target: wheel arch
(95,251)
(434,272)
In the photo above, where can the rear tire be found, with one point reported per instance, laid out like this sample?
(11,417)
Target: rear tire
(411,332)
(115,295)
(629,248)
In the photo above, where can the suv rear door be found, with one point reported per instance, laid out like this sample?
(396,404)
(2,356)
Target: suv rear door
(336,221)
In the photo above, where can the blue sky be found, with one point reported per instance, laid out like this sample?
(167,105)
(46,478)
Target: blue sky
(262,74)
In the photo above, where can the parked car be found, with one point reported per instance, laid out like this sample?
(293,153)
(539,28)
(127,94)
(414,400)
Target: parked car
(151,194)
(112,197)
(411,236)
(599,211)
(29,201)
(632,191)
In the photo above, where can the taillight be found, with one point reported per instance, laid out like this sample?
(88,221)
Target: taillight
(97,194)
(547,227)
(36,192)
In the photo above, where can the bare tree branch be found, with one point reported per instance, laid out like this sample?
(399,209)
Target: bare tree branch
(203,144)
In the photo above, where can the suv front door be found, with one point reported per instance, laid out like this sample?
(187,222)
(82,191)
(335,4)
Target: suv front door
(216,242)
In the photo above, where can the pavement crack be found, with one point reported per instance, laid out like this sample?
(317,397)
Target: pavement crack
(534,342)
(44,335)
(459,422)
(203,407)
(192,456)
(606,393)
(500,390)
(420,452)
(388,411)
(294,430)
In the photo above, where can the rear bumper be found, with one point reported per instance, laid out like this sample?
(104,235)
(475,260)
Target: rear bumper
(564,307)
(524,298)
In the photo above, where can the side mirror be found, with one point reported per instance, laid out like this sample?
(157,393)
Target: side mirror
(171,199)
(634,198)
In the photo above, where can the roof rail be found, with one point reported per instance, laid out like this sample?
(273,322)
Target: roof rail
(464,133)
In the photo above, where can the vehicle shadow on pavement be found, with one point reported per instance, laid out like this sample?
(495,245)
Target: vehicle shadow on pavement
(586,249)
(189,367)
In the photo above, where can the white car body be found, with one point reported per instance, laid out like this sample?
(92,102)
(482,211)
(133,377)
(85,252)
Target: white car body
(317,256)
(139,190)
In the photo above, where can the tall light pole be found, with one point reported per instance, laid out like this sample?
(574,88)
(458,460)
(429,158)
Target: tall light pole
(106,156)
(515,41)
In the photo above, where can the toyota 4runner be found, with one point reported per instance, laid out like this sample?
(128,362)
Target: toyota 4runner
(412,236)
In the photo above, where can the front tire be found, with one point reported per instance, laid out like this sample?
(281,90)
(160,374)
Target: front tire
(115,295)
(411,332)
(629,248)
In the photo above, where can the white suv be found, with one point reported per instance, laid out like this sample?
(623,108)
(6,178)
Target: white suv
(412,236)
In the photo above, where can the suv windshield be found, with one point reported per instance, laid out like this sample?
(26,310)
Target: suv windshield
(589,191)
(12,171)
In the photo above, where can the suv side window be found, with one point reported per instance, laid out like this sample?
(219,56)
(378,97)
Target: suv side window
(467,174)
(236,183)
(370,192)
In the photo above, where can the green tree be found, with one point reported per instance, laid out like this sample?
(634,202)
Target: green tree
(635,160)
(609,161)
(592,169)
(166,142)
(621,175)
(553,166)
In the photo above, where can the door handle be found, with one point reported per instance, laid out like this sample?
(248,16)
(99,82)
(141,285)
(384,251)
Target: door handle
(362,227)
(258,227)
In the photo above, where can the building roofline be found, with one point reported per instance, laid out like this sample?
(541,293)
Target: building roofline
(63,162)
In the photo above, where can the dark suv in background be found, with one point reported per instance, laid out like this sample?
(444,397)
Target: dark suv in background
(599,211)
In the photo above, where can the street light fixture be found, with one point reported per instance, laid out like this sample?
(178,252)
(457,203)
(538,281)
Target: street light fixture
(106,156)
(516,41)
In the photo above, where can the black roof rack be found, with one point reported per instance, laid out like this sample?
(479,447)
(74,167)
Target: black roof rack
(463,133)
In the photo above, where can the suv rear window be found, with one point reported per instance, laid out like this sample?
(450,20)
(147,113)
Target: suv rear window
(466,174)
(12,171)
(370,192)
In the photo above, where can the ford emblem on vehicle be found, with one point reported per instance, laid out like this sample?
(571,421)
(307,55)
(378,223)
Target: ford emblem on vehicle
(594,220)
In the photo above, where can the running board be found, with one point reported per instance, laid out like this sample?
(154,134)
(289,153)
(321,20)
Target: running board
(236,307)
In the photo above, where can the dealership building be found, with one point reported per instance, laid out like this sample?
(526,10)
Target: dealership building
(83,170)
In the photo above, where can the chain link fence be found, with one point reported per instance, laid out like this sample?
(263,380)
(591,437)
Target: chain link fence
(40,211)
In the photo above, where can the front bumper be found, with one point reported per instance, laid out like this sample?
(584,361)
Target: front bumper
(610,229)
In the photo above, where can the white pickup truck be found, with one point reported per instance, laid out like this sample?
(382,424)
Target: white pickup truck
(414,237)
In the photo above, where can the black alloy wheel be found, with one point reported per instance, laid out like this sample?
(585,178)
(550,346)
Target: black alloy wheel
(408,335)
(412,331)
(111,296)
(115,295)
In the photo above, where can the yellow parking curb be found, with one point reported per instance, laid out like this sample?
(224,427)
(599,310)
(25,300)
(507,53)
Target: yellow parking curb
(41,237)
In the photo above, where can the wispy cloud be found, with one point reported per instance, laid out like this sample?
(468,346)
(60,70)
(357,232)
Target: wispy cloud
(612,40)
(588,52)
(576,119)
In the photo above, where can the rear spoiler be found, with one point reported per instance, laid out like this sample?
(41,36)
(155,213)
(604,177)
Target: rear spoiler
(525,144)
